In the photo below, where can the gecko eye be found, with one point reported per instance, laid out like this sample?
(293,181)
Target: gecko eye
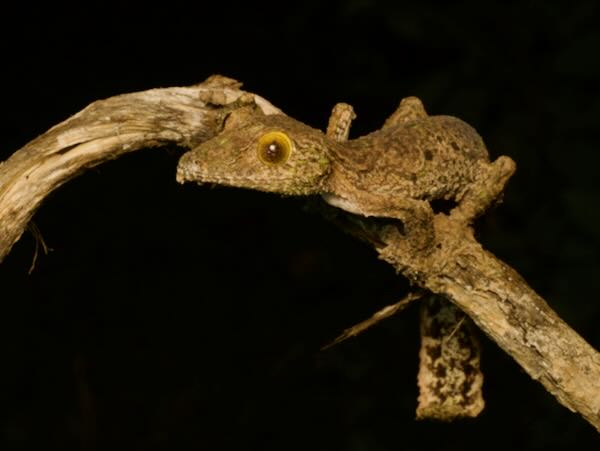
(274,147)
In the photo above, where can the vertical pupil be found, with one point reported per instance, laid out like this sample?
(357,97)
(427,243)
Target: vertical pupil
(273,151)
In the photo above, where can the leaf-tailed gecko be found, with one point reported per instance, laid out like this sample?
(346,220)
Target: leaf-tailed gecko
(394,172)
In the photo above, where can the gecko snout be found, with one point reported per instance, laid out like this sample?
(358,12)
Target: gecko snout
(185,169)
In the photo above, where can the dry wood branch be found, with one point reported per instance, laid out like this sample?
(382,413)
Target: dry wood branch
(491,293)
(103,131)
(502,304)
(498,300)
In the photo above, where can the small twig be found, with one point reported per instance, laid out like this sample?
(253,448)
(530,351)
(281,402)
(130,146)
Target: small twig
(39,241)
(454,330)
(380,315)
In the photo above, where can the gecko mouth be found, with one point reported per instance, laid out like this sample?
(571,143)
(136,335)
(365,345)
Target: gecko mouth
(204,177)
(197,173)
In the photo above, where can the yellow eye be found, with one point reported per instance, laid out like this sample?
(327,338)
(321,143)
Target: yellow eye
(274,147)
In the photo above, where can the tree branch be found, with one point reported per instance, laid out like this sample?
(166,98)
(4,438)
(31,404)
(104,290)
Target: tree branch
(491,293)
(499,301)
(105,130)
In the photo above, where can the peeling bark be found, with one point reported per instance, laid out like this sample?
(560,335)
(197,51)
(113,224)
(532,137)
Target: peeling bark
(450,378)
(501,303)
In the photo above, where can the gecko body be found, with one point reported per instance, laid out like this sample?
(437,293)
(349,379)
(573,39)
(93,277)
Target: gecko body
(394,172)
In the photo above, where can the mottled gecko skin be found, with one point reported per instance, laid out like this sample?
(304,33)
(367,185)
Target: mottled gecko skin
(231,158)
(432,158)
(393,172)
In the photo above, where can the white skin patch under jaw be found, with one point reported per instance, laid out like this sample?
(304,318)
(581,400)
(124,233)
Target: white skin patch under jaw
(343,203)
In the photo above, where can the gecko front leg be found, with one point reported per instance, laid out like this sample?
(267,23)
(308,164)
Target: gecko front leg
(342,115)
(340,120)
(486,190)
(416,216)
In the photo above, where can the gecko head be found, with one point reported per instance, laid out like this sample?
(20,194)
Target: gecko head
(267,153)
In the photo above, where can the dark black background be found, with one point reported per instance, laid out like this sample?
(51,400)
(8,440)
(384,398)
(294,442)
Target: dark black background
(179,317)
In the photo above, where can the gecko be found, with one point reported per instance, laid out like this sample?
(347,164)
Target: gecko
(395,172)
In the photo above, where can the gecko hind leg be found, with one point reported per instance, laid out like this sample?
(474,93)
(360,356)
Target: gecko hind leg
(416,217)
(486,190)
(410,109)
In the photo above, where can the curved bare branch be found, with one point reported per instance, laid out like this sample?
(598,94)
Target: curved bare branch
(105,130)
